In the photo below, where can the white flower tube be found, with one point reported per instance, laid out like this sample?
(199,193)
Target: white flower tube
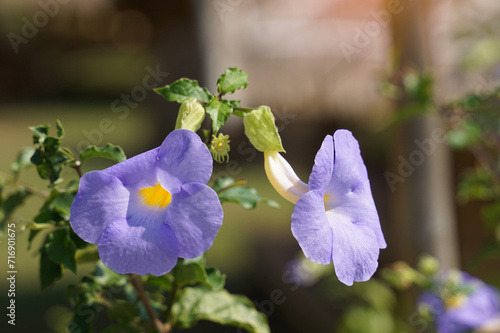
(281,175)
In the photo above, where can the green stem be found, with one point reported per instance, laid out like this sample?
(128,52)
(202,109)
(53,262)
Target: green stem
(243,109)
(149,309)
(237,183)
(170,304)
(77,167)
(71,157)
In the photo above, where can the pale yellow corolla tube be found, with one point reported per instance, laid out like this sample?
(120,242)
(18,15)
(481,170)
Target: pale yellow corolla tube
(281,175)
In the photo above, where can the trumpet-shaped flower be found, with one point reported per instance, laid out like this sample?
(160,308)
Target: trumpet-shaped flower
(335,218)
(461,303)
(149,210)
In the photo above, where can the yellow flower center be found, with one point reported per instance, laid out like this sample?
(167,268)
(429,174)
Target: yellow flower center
(219,146)
(156,196)
(326,199)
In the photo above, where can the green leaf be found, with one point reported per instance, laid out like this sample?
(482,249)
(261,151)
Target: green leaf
(467,135)
(83,320)
(165,282)
(222,183)
(194,304)
(31,236)
(110,152)
(80,243)
(50,271)
(235,103)
(246,196)
(61,249)
(60,129)
(88,254)
(215,278)
(184,89)
(260,128)
(57,206)
(232,79)
(40,132)
(193,271)
(49,159)
(476,185)
(23,160)
(219,111)
(9,205)
(189,273)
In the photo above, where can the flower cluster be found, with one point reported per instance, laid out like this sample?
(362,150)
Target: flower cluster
(146,212)
(149,210)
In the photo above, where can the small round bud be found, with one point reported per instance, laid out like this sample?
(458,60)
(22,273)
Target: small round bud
(428,265)
(219,147)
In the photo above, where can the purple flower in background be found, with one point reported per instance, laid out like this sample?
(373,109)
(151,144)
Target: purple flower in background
(335,218)
(146,212)
(461,303)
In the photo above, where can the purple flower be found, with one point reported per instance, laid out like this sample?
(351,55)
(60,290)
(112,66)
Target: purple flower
(461,303)
(335,218)
(149,210)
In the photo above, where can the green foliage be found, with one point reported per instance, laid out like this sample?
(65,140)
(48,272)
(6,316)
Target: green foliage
(476,184)
(219,111)
(231,191)
(110,152)
(219,306)
(49,157)
(193,271)
(23,160)
(232,80)
(413,90)
(61,249)
(465,136)
(191,291)
(235,103)
(50,271)
(260,128)
(184,89)
(10,204)
(374,321)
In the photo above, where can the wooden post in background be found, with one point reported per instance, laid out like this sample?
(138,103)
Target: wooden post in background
(422,206)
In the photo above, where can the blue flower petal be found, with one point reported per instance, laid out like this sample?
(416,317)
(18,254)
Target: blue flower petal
(480,306)
(355,249)
(138,246)
(195,215)
(182,159)
(101,199)
(311,228)
(349,187)
(323,166)
(138,171)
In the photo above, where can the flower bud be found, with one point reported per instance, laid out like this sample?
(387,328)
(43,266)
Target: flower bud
(428,265)
(219,147)
(191,115)
(261,130)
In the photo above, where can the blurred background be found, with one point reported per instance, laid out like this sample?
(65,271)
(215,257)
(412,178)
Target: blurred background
(320,65)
